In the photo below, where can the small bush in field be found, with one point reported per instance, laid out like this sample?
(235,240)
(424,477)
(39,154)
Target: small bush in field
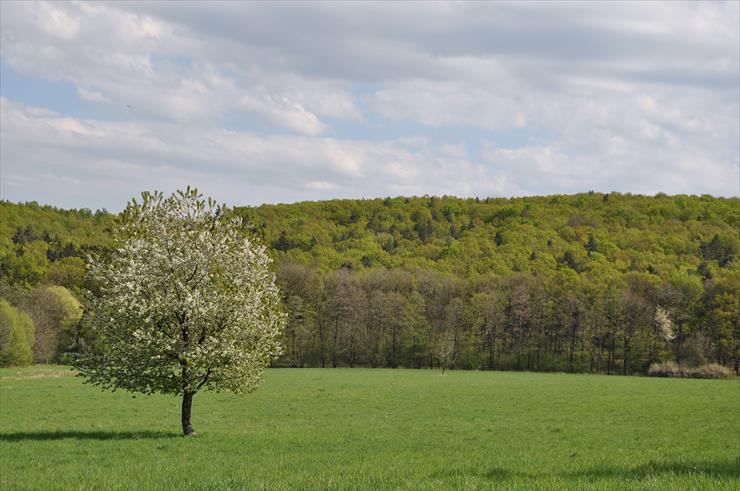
(665,369)
(713,370)
(671,369)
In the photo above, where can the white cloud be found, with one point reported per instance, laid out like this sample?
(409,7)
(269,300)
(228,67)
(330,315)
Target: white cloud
(320,185)
(377,99)
(284,113)
(56,21)
(91,95)
(245,168)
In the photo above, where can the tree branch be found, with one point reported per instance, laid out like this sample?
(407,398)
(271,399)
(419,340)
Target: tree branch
(205,379)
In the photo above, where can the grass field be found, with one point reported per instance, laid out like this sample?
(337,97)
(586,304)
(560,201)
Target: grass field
(375,429)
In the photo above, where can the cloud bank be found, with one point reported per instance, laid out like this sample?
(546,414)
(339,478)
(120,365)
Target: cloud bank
(259,103)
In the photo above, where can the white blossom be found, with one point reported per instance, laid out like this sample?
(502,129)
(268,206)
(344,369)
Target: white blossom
(185,301)
(664,324)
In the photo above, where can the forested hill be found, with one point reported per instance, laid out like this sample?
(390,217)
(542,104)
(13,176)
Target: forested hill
(591,234)
(548,283)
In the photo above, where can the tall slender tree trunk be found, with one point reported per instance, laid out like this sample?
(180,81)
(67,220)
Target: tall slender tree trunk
(625,360)
(321,342)
(293,354)
(572,345)
(491,340)
(187,405)
(334,344)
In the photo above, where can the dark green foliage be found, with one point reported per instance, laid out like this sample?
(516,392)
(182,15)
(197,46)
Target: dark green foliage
(718,249)
(591,245)
(282,243)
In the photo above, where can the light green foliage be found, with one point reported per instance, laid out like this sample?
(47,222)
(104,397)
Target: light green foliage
(29,268)
(69,313)
(314,429)
(70,308)
(68,272)
(16,336)
(184,301)
(56,313)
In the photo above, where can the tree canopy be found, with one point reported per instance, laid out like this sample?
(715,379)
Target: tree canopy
(184,301)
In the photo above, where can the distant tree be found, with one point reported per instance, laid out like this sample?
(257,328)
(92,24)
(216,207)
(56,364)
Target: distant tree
(16,336)
(343,306)
(28,265)
(68,272)
(704,271)
(301,288)
(570,260)
(55,313)
(444,349)
(185,301)
(282,243)
(664,324)
(591,244)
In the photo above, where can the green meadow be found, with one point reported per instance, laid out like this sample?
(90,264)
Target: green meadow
(375,429)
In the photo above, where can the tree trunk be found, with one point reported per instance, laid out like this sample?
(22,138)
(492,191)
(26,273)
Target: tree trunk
(187,404)
(334,345)
(625,361)
(490,351)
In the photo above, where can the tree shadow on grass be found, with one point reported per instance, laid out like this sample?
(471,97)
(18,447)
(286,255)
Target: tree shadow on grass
(497,474)
(84,435)
(492,473)
(722,469)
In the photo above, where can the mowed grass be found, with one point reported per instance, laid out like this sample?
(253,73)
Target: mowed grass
(375,429)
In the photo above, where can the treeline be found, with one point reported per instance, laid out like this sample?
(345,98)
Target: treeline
(568,283)
(521,321)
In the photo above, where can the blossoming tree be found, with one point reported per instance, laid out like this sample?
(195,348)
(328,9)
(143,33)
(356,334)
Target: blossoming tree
(186,301)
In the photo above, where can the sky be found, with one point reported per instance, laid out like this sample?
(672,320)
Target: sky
(282,102)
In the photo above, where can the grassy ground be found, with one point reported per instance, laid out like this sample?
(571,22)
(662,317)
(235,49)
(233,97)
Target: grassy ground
(375,429)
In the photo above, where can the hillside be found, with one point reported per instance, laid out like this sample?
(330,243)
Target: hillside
(542,283)
(468,237)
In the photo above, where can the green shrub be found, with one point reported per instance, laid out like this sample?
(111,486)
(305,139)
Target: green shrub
(16,336)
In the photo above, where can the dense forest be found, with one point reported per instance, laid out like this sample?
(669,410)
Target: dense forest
(584,283)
